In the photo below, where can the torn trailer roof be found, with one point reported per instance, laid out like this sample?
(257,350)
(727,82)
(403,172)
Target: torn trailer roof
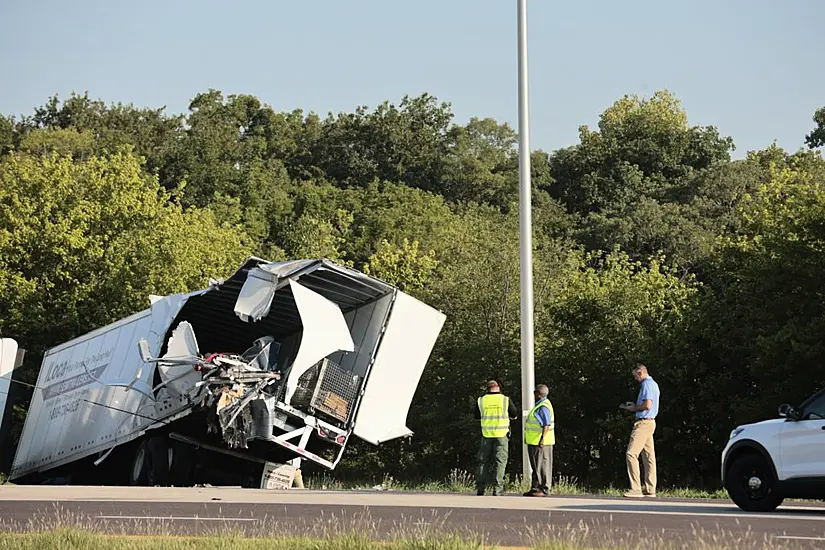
(281,353)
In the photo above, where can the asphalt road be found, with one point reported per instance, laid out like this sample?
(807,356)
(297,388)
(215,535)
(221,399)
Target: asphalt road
(509,520)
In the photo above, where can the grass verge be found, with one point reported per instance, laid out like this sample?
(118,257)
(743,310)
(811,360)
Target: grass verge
(461,481)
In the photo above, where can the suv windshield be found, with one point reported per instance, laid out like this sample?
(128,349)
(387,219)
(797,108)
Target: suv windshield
(814,407)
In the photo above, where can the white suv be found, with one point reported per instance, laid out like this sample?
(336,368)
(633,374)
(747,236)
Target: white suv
(766,462)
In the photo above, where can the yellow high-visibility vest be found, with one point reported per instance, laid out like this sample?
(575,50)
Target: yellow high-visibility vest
(494,419)
(533,429)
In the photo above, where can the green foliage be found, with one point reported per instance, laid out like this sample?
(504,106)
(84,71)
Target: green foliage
(404,144)
(403,266)
(79,144)
(649,244)
(395,212)
(150,132)
(769,284)
(6,134)
(83,243)
(633,180)
(604,313)
(483,166)
(310,237)
(817,136)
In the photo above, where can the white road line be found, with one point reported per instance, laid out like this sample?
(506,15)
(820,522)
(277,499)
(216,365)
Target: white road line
(176,518)
(792,537)
(820,517)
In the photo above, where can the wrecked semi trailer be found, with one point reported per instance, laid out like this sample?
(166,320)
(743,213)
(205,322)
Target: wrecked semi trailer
(280,363)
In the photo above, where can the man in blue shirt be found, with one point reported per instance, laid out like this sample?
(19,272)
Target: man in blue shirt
(540,437)
(646,409)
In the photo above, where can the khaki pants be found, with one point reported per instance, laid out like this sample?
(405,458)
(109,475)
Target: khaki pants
(641,442)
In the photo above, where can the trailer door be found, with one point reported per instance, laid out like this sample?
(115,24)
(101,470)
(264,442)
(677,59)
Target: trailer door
(408,340)
(11,357)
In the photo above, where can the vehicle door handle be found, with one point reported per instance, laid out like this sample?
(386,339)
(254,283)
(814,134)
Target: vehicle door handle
(823,428)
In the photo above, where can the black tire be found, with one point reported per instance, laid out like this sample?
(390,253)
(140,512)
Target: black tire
(150,463)
(139,470)
(752,485)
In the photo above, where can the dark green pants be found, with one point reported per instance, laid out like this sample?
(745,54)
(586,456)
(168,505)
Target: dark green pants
(492,460)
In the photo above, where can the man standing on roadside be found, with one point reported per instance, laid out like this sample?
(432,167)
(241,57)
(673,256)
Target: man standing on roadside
(494,410)
(641,437)
(540,436)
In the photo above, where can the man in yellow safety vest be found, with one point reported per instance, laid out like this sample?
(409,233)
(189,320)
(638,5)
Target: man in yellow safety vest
(540,436)
(494,410)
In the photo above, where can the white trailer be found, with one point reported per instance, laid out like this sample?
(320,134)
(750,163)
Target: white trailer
(281,362)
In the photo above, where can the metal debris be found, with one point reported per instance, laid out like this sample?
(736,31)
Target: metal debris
(228,381)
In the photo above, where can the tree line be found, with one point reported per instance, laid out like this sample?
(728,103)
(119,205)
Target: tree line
(651,244)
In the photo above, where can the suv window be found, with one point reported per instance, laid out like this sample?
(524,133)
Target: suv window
(814,408)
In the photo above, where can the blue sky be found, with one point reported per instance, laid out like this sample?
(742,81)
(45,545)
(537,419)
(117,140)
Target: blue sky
(753,68)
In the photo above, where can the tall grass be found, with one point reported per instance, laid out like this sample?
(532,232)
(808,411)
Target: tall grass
(79,539)
(362,534)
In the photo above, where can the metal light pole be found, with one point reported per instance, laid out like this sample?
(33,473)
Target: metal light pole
(526,233)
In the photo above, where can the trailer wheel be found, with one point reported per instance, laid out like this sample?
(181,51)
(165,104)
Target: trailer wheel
(139,472)
(150,465)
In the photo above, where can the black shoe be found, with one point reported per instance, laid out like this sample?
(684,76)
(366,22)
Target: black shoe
(479,493)
(534,493)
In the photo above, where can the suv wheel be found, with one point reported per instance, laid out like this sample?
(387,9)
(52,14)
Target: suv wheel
(752,485)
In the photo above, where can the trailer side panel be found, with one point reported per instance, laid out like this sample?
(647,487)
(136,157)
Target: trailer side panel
(71,414)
